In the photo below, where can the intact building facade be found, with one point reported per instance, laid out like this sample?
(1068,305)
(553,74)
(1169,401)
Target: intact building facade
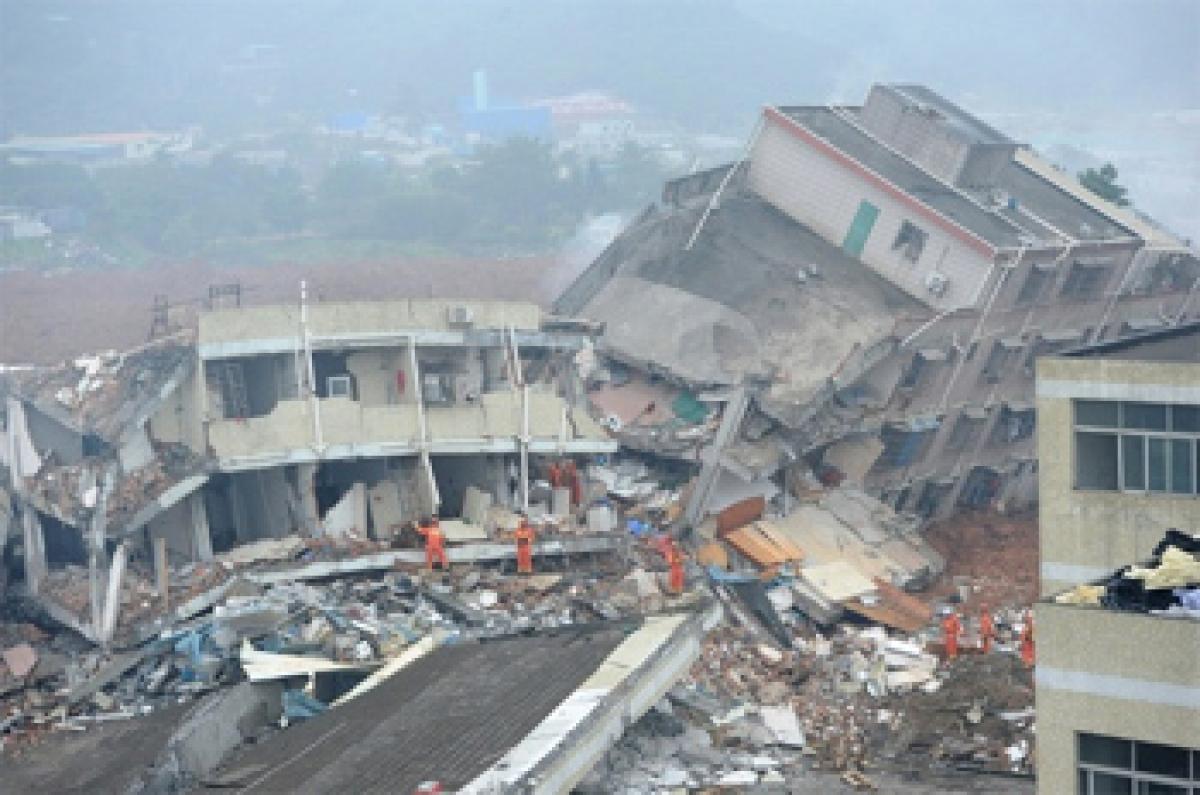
(1118,649)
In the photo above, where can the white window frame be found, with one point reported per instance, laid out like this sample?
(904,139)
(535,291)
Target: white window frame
(1189,785)
(1121,432)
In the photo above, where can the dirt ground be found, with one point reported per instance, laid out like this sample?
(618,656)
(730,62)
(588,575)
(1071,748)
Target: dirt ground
(46,317)
(999,555)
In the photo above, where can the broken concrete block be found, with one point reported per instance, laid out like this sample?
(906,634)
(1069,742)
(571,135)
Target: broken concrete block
(599,520)
(783,725)
(20,659)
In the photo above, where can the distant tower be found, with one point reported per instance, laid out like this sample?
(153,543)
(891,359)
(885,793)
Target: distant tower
(481,89)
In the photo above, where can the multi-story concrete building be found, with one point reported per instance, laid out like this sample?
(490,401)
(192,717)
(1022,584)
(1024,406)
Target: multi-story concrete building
(318,420)
(1118,662)
(889,271)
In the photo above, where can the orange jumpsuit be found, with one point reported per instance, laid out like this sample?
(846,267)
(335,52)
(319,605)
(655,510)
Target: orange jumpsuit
(435,545)
(675,563)
(524,535)
(554,476)
(1027,655)
(951,626)
(987,630)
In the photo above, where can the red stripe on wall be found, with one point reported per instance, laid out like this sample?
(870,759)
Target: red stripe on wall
(833,153)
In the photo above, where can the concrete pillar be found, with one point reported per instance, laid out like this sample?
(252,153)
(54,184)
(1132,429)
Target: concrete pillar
(201,536)
(524,443)
(306,484)
(35,550)
(112,602)
(162,572)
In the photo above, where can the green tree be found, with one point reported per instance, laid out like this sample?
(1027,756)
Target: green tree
(1103,183)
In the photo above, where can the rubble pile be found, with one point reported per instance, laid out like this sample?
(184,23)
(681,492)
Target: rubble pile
(94,391)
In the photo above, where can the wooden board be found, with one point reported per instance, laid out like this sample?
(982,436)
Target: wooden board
(740,514)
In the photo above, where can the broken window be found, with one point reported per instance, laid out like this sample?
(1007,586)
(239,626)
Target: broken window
(910,241)
(1001,357)
(902,445)
(1035,283)
(1127,446)
(1084,282)
(1049,344)
(1013,425)
(966,430)
(1111,764)
(912,373)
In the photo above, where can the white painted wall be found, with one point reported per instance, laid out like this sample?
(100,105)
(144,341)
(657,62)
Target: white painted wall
(824,195)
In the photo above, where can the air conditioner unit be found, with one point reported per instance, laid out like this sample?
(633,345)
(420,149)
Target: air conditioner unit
(338,386)
(936,283)
(460,315)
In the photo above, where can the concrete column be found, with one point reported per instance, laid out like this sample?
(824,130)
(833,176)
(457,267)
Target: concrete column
(35,550)
(201,536)
(112,602)
(162,572)
(306,477)
(524,443)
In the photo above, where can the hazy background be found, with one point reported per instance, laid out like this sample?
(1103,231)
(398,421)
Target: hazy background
(1085,80)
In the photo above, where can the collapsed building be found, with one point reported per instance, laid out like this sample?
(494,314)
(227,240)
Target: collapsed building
(332,420)
(868,289)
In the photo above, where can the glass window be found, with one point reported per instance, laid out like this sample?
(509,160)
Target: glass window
(1096,461)
(1108,784)
(1108,751)
(1133,463)
(1157,449)
(1083,783)
(1154,788)
(1182,464)
(1145,416)
(1099,413)
(1185,418)
(1165,760)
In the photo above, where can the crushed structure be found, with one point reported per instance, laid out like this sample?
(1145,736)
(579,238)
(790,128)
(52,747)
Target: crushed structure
(726,444)
(331,421)
(882,279)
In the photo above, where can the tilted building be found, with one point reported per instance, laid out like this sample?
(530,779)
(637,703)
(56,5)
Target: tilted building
(315,420)
(1118,638)
(883,277)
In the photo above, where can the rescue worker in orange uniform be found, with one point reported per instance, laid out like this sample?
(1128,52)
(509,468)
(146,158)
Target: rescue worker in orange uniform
(987,629)
(951,627)
(571,480)
(435,542)
(1027,655)
(554,475)
(524,535)
(675,566)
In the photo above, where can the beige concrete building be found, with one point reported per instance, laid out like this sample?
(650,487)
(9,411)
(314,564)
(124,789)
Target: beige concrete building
(1118,655)
(1117,449)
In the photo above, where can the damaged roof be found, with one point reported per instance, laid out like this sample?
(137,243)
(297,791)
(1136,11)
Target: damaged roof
(913,180)
(107,393)
(759,296)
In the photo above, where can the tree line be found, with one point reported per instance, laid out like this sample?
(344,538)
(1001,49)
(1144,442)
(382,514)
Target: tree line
(516,195)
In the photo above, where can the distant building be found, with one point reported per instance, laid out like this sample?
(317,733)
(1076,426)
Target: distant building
(481,119)
(1118,657)
(95,148)
(602,139)
(17,226)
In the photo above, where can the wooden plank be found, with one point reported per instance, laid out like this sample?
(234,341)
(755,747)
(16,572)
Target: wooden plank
(753,546)
(740,514)
(785,545)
